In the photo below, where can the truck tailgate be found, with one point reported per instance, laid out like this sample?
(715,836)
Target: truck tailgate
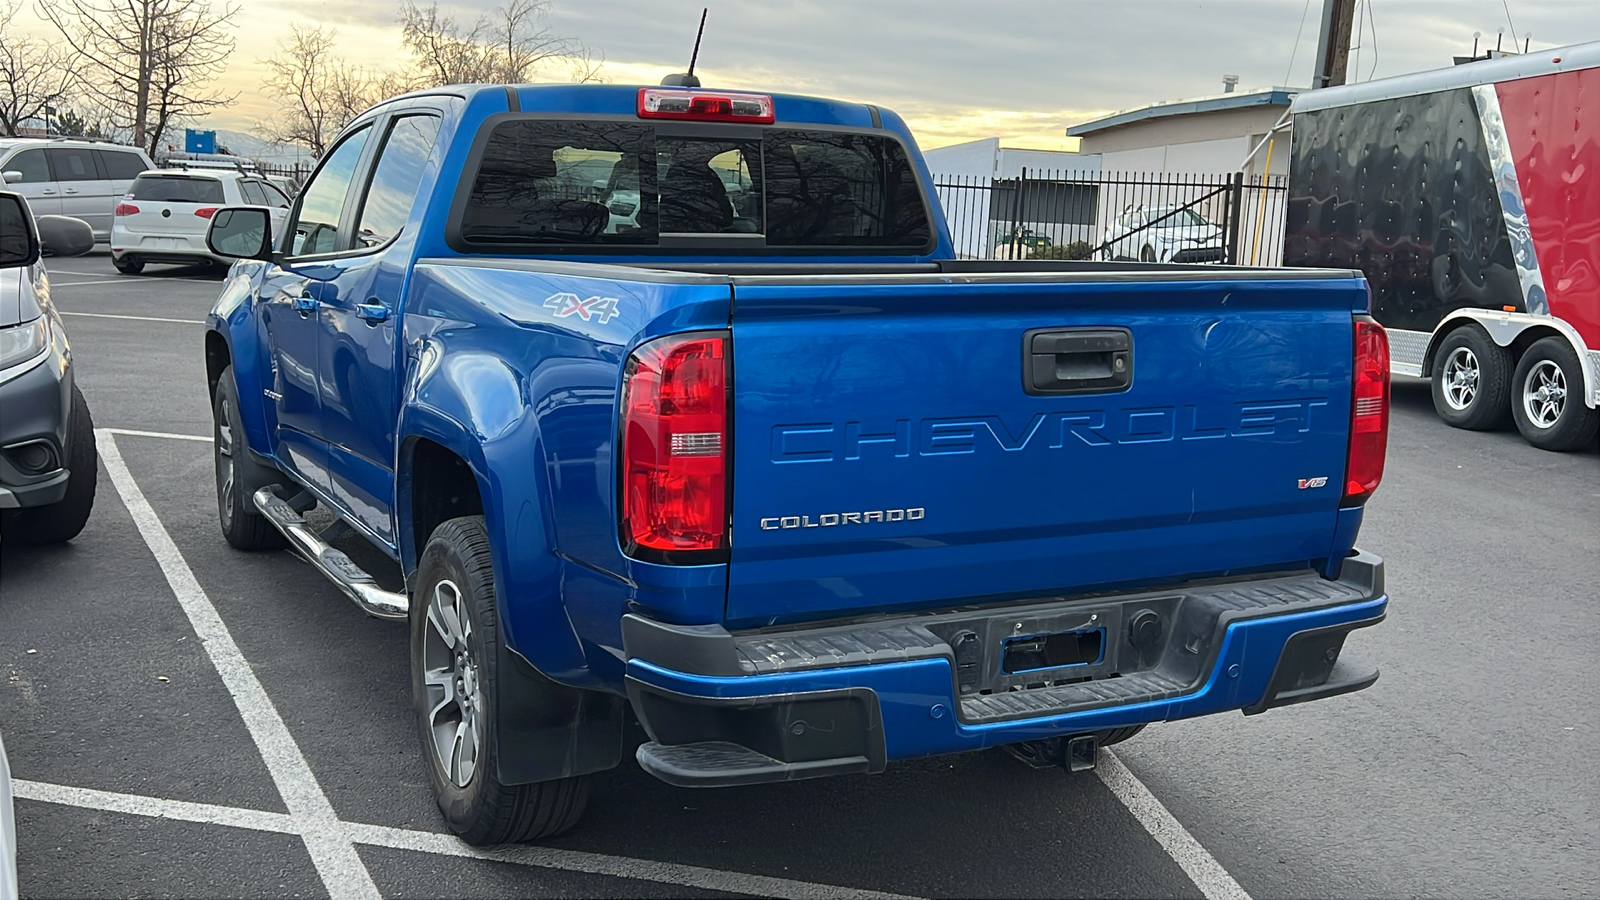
(892,448)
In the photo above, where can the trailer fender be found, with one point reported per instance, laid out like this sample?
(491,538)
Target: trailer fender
(1518,330)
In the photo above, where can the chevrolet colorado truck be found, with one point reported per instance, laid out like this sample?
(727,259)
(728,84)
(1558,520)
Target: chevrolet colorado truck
(675,404)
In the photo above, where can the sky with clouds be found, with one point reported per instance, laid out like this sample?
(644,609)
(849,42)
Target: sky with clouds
(1022,70)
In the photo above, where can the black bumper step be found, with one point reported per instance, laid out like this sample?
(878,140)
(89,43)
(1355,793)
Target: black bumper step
(723,764)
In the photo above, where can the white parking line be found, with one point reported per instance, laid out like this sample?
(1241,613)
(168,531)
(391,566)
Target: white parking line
(203,438)
(342,871)
(1202,868)
(1191,856)
(138,318)
(442,844)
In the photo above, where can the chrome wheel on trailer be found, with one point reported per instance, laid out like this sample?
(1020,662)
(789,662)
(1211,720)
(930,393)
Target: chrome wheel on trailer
(1549,404)
(1544,394)
(1471,379)
(1461,378)
(451,678)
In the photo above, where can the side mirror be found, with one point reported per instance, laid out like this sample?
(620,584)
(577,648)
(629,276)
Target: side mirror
(19,242)
(65,236)
(13,176)
(241,232)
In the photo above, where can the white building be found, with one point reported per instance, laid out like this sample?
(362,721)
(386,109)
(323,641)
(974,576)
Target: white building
(981,186)
(1207,136)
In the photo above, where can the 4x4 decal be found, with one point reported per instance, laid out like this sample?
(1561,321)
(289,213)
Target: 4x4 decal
(601,308)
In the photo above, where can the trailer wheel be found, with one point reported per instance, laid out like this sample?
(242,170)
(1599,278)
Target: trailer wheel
(455,648)
(1147,254)
(1548,404)
(1472,380)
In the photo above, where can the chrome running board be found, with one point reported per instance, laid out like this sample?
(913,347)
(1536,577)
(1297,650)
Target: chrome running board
(332,563)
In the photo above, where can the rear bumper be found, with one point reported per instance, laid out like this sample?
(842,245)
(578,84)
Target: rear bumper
(161,247)
(936,683)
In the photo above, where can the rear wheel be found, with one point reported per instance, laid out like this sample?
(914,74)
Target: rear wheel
(455,649)
(1472,380)
(63,520)
(1548,403)
(129,265)
(239,476)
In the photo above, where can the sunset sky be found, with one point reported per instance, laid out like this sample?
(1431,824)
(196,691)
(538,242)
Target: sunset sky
(957,71)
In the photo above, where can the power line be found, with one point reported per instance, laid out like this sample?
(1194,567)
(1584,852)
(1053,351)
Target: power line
(1296,48)
(1507,5)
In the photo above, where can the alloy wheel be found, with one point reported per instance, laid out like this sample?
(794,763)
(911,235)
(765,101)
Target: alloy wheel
(225,456)
(1544,394)
(1461,374)
(455,694)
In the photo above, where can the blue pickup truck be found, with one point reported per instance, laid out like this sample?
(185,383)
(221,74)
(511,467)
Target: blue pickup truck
(675,405)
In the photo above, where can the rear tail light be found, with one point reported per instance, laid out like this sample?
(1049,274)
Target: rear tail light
(125,209)
(206,212)
(1369,413)
(677,103)
(675,448)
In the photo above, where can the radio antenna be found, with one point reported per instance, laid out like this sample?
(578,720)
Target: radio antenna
(687,79)
(697,35)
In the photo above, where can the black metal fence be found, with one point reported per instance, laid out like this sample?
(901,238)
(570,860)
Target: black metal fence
(1165,217)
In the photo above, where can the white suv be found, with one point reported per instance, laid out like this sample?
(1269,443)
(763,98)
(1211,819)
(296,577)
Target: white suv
(163,216)
(66,177)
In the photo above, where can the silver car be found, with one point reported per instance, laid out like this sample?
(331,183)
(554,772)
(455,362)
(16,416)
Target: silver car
(67,177)
(47,454)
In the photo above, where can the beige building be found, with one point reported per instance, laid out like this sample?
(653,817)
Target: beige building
(1209,134)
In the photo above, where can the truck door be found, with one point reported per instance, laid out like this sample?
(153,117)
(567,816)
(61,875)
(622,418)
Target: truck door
(291,307)
(360,305)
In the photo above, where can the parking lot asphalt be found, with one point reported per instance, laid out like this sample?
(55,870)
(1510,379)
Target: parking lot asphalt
(187,720)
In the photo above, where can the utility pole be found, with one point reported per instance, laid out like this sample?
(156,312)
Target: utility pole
(1333,46)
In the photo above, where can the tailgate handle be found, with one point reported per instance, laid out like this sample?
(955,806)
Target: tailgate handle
(1077,360)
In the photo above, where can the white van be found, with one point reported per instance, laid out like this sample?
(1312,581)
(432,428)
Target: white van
(69,177)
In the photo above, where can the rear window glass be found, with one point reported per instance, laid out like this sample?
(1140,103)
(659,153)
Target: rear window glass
(176,189)
(598,183)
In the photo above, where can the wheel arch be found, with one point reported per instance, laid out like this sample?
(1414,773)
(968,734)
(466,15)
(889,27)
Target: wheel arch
(547,729)
(1517,332)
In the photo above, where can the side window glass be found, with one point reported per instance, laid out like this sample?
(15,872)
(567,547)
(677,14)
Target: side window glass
(317,228)
(120,165)
(72,165)
(274,196)
(32,166)
(252,193)
(395,179)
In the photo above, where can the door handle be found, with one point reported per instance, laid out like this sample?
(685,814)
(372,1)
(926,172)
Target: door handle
(69,191)
(1077,360)
(47,193)
(306,304)
(372,312)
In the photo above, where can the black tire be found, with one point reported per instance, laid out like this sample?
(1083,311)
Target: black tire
(1472,380)
(238,475)
(1050,752)
(129,265)
(1548,421)
(1147,254)
(455,569)
(64,520)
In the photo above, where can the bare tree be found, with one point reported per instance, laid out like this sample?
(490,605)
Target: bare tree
(151,61)
(317,93)
(510,45)
(34,76)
